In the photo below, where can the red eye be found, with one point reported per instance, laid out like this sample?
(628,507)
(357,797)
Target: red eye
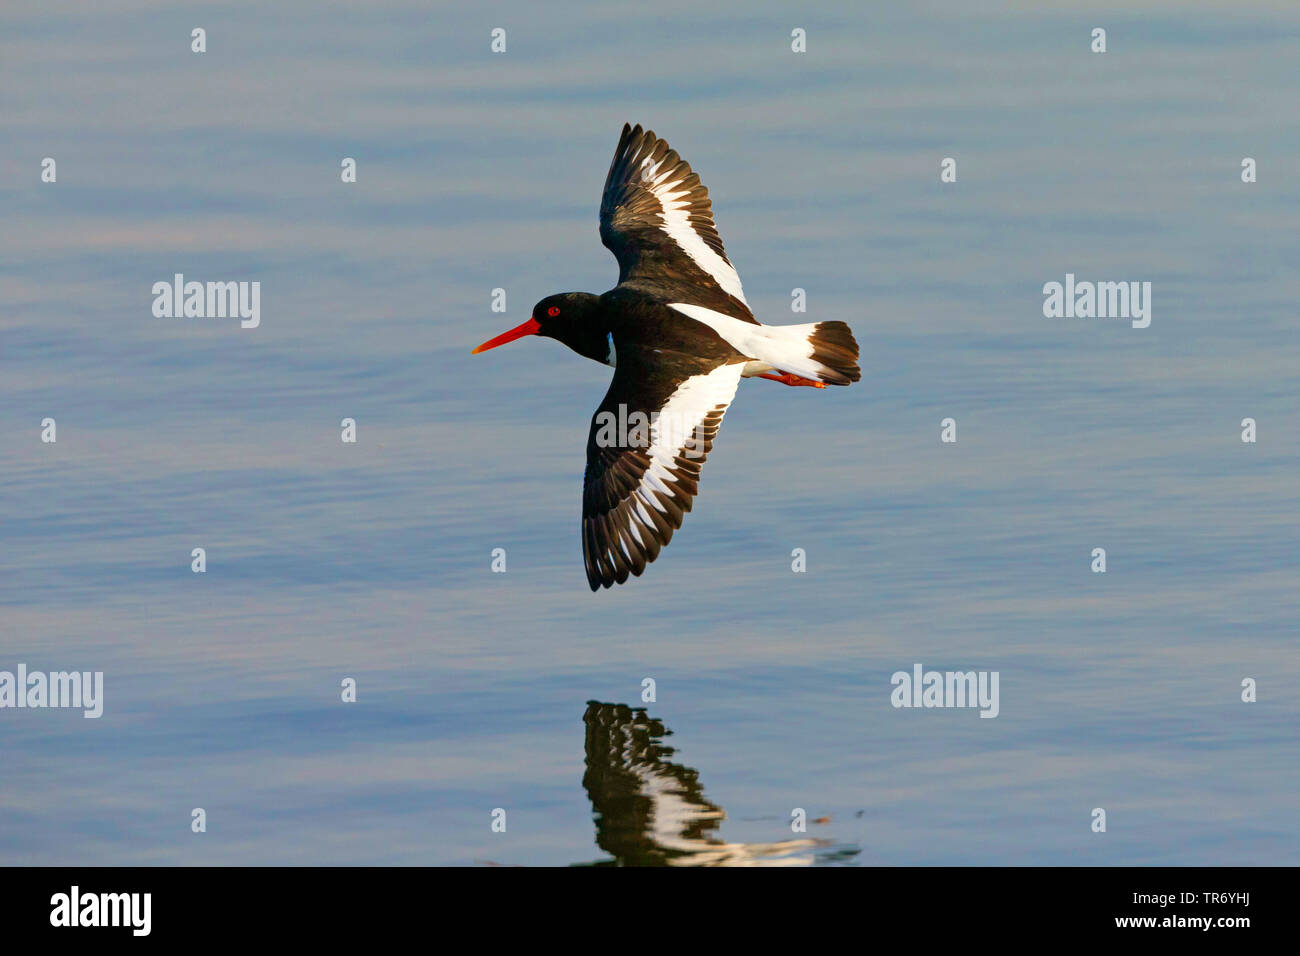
(553,311)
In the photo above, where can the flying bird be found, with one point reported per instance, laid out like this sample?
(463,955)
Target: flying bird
(680,336)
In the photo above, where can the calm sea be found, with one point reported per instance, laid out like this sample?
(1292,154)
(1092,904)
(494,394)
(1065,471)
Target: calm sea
(372,561)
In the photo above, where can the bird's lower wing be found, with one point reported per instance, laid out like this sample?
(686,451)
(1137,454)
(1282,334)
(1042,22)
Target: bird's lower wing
(648,441)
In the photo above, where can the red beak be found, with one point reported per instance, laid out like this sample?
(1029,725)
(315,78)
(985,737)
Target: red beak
(528,328)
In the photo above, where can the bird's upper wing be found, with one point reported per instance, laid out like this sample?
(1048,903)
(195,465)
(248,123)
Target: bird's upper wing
(647,443)
(657,219)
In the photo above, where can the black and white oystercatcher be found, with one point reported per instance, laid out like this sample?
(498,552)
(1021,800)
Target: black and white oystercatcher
(680,336)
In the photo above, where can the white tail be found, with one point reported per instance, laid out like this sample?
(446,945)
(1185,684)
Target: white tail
(823,351)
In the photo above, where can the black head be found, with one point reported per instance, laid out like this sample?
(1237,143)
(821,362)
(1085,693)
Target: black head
(562,316)
(569,317)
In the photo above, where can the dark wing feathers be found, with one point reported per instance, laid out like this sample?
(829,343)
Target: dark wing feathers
(657,219)
(640,482)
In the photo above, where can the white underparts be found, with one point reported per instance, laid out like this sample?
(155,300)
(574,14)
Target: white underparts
(785,348)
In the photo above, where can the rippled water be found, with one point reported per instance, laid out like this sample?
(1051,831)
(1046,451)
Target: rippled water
(372,561)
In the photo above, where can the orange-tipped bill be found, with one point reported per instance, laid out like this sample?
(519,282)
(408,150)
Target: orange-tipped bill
(528,328)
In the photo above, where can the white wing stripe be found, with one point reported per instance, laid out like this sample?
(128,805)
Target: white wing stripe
(635,527)
(651,500)
(677,225)
(652,475)
(675,429)
(686,409)
(641,513)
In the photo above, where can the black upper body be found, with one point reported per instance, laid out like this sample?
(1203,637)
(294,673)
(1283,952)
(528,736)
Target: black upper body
(631,320)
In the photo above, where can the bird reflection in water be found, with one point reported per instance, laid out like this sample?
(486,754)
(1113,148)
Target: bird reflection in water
(652,812)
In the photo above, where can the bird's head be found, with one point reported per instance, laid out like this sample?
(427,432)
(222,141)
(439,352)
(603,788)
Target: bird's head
(568,317)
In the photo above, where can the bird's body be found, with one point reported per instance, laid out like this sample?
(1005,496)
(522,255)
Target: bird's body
(680,335)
